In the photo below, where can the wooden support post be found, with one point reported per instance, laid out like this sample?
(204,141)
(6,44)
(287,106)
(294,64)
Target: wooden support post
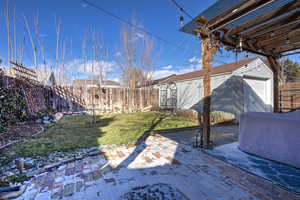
(207,53)
(275,67)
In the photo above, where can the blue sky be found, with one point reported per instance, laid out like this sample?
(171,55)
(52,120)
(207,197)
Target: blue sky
(160,17)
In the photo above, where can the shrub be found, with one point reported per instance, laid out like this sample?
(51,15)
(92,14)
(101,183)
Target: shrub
(191,114)
(12,103)
(215,116)
(156,109)
(221,117)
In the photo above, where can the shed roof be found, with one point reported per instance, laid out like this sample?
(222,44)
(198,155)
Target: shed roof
(226,68)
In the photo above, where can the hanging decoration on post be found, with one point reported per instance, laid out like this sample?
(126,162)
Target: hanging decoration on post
(240,47)
(181,20)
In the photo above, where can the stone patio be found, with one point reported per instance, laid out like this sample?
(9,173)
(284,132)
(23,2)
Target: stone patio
(188,172)
(279,174)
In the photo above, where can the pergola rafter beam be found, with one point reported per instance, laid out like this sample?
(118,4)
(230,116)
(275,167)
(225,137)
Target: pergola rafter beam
(291,53)
(288,47)
(251,47)
(266,17)
(218,19)
(276,34)
(273,25)
(280,39)
(237,12)
(281,42)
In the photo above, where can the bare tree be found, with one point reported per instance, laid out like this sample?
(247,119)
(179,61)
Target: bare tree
(137,57)
(34,37)
(15,36)
(57,30)
(8,28)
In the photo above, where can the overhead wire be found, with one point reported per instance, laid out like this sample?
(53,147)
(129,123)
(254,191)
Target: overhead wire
(181,9)
(128,23)
(105,11)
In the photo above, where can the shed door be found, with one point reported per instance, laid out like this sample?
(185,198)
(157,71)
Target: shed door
(255,95)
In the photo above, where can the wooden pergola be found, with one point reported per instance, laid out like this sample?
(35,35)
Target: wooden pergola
(270,28)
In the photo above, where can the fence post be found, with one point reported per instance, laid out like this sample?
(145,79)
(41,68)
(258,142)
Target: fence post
(280,101)
(292,102)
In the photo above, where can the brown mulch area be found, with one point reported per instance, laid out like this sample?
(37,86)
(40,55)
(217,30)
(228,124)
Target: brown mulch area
(19,131)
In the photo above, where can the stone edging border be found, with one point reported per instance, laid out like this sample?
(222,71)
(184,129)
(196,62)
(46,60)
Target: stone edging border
(88,154)
(66,161)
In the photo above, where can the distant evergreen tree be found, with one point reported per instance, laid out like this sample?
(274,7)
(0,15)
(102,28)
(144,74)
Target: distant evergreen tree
(289,70)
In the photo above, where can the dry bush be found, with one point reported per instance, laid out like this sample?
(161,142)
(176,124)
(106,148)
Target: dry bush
(221,117)
(216,116)
(191,114)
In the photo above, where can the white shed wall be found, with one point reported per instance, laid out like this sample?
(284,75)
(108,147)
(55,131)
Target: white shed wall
(227,89)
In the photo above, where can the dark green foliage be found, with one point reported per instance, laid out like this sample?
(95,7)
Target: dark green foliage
(12,103)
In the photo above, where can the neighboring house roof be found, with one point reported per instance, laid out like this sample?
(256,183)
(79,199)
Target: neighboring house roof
(163,79)
(227,68)
(82,82)
(157,81)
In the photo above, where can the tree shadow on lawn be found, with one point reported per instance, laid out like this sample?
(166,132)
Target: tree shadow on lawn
(140,144)
(188,133)
(68,135)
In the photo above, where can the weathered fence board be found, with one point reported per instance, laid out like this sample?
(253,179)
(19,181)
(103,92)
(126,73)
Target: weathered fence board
(68,98)
(290,97)
(107,100)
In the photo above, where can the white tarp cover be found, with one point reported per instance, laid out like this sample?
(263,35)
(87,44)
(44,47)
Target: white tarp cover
(272,136)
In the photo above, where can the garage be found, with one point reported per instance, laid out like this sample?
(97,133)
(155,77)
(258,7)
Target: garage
(257,94)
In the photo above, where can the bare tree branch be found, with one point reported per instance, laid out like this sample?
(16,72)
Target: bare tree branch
(33,44)
(137,58)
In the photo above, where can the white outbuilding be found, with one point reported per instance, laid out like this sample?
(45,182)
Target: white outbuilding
(238,87)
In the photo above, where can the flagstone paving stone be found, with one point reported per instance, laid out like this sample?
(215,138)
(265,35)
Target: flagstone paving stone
(188,173)
(277,173)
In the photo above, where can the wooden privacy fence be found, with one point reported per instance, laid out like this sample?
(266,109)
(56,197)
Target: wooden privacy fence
(39,97)
(111,100)
(63,98)
(289,97)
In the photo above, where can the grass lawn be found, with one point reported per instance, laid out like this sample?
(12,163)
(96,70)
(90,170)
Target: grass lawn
(77,132)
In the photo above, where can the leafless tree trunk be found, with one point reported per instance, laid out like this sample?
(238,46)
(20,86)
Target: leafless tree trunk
(15,37)
(57,30)
(33,43)
(137,57)
(9,43)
